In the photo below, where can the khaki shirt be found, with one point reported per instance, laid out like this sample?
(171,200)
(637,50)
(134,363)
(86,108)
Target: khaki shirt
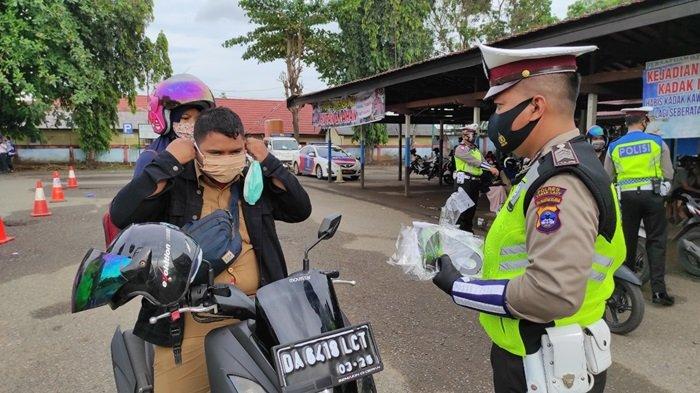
(554,283)
(243,272)
(666,163)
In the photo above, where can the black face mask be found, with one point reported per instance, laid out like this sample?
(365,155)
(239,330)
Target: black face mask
(501,131)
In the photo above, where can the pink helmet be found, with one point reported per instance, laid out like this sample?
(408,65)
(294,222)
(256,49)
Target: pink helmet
(175,91)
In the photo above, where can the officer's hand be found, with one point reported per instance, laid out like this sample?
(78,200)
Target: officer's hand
(256,148)
(494,171)
(447,274)
(182,149)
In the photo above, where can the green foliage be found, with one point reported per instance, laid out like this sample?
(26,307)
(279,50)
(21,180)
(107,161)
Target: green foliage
(460,24)
(84,56)
(288,30)
(375,36)
(582,7)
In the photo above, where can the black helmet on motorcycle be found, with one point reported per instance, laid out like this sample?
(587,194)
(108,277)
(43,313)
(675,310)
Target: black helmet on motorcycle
(155,260)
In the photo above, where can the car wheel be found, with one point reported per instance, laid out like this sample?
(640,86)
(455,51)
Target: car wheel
(295,169)
(319,172)
(354,177)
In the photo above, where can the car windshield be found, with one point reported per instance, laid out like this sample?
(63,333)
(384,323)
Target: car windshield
(285,144)
(336,151)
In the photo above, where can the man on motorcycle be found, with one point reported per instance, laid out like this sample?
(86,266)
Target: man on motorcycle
(550,254)
(199,184)
(640,164)
(469,166)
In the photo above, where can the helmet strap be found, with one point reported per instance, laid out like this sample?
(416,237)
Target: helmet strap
(176,326)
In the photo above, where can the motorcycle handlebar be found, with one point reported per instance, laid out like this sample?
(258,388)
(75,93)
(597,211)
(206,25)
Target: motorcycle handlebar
(153,320)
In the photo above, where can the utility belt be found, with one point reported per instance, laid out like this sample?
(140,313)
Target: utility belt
(569,359)
(461,177)
(658,186)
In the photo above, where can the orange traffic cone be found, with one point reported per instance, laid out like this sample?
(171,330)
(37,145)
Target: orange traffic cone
(72,180)
(3,236)
(57,190)
(41,208)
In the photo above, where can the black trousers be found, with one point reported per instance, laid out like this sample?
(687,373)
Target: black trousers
(466,219)
(4,158)
(647,206)
(509,375)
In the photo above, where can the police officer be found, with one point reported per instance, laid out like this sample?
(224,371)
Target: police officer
(640,164)
(469,166)
(550,254)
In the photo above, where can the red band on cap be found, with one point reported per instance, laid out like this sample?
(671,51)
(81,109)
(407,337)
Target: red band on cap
(513,71)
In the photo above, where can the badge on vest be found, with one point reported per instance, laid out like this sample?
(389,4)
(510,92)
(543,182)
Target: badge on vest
(547,200)
(563,155)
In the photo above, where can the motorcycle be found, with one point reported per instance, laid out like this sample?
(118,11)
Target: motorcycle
(641,262)
(688,239)
(432,166)
(624,310)
(293,337)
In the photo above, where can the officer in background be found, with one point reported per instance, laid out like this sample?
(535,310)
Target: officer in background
(598,138)
(469,166)
(550,255)
(640,164)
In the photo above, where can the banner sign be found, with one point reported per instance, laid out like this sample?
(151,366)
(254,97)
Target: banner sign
(672,87)
(361,108)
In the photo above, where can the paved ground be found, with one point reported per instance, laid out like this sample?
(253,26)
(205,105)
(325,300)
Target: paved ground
(427,343)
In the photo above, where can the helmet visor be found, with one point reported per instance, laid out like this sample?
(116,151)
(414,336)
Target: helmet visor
(183,89)
(99,277)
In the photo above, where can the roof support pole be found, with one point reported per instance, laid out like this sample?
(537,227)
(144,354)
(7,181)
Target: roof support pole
(407,161)
(330,156)
(442,151)
(400,155)
(362,156)
(591,110)
(477,119)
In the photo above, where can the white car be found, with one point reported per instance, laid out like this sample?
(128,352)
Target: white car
(286,149)
(313,160)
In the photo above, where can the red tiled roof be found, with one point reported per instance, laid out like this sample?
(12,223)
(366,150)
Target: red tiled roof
(253,113)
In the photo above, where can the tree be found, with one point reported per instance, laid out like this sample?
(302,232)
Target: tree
(455,23)
(83,56)
(582,7)
(460,24)
(375,36)
(287,30)
(156,66)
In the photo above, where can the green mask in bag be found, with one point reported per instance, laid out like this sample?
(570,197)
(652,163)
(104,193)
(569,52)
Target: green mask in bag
(253,185)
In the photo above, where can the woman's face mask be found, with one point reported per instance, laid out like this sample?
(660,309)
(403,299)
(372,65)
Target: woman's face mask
(501,132)
(598,144)
(184,126)
(224,168)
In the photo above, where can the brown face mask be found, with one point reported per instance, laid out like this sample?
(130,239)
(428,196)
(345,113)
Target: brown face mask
(223,169)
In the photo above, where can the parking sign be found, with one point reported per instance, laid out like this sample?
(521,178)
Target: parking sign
(128,128)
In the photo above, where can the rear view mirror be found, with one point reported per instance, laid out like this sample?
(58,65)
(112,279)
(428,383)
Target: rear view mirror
(329,225)
(312,154)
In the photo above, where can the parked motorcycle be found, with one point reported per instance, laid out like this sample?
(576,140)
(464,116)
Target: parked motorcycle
(293,337)
(624,310)
(641,263)
(432,166)
(688,239)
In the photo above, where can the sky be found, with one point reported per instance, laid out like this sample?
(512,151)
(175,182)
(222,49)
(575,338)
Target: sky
(195,32)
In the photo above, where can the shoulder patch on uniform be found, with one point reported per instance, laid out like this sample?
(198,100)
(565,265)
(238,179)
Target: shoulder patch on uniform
(547,200)
(563,155)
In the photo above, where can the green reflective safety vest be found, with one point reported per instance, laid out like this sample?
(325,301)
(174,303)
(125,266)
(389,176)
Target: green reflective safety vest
(463,166)
(637,159)
(505,257)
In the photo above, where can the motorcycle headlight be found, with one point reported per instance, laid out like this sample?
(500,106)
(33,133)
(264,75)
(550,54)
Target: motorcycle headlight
(244,385)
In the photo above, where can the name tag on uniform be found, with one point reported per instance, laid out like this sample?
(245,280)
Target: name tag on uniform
(635,150)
